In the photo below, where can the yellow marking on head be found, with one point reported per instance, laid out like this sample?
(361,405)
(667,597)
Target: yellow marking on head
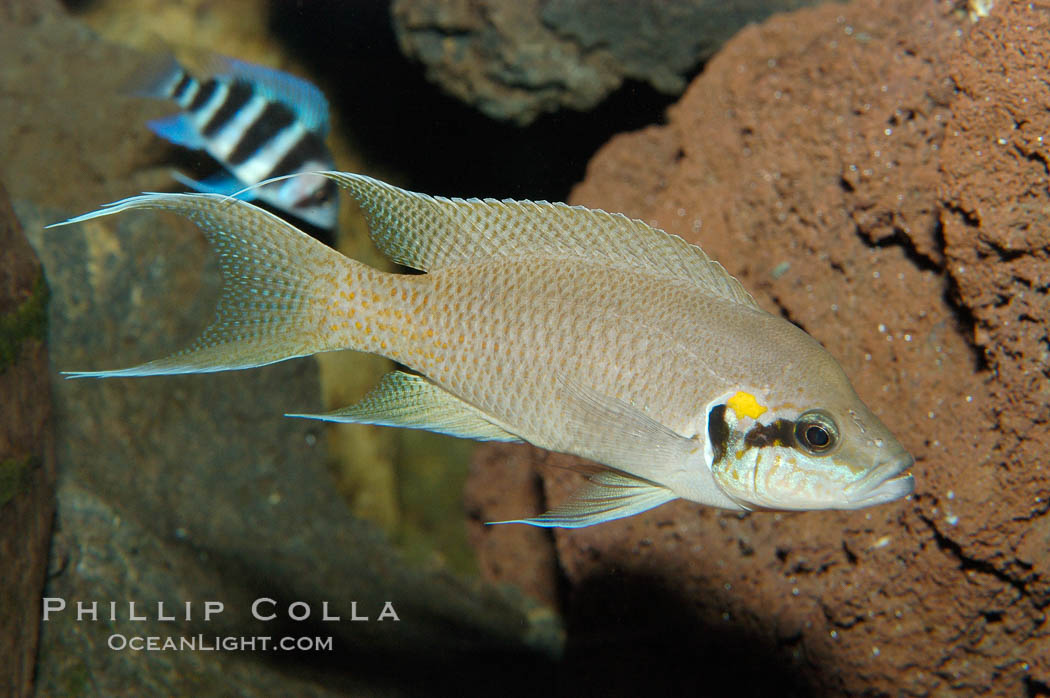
(745,405)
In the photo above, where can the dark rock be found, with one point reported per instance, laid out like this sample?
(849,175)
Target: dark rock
(27,459)
(207,468)
(515,60)
(195,488)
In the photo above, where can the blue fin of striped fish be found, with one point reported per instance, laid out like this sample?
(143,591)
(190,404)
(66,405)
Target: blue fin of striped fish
(303,98)
(221,182)
(178,129)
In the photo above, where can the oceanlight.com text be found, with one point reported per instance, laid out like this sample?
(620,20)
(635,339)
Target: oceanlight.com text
(211,643)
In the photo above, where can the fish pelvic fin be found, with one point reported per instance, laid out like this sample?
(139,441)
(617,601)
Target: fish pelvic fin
(413,402)
(277,282)
(608,496)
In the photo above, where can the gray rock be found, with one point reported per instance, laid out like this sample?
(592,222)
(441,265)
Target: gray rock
(517,59)
(196,488)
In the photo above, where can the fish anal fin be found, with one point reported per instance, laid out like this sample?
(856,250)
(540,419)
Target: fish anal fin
(607,496)
(413,402)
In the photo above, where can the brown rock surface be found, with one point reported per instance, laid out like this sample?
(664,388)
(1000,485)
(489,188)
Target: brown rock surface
(27,460)
(877,172)
(502,484)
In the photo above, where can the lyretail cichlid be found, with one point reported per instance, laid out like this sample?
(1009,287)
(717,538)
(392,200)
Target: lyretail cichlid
(576,330)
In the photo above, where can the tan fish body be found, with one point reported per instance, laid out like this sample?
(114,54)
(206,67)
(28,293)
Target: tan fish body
(576,330)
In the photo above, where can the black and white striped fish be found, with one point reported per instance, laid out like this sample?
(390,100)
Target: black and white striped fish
(258,123)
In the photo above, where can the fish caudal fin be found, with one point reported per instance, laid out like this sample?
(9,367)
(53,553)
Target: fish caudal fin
(277,282)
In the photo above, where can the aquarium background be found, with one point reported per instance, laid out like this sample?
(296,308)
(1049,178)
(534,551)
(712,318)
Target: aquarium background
(874,171)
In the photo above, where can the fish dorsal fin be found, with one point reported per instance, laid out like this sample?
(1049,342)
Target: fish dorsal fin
(413,402)
(429,232)
(303,98)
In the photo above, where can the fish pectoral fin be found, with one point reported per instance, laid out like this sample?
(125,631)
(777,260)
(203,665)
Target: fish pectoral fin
(178,129)
(222,182)
(618,434)
(413,402)
(609,495)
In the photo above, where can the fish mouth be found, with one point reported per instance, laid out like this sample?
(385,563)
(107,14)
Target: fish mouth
(883,483)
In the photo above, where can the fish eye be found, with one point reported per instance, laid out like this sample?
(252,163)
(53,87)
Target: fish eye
(815,432)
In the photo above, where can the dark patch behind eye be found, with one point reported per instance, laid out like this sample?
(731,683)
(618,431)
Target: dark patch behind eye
(717,432)
(779,433)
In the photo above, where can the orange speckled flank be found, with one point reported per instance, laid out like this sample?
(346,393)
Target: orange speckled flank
(386,323)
